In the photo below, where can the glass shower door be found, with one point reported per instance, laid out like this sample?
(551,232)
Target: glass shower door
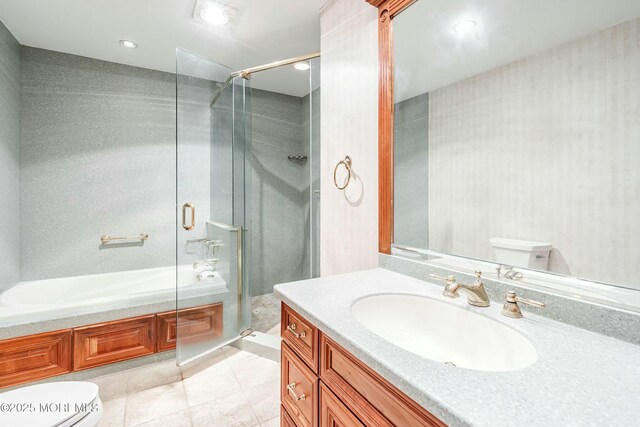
(213,300)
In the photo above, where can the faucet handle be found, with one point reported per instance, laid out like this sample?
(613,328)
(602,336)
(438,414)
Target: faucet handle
(450,279)
(510,307)
(478,277)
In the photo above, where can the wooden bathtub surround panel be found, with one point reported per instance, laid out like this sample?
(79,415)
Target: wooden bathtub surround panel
(112,342)
(35,357)
(371,398)
(306,343)
(387,10)
(303,411)
(204,322)
(333,413)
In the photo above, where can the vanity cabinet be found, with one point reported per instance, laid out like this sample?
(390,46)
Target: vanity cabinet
(331,387)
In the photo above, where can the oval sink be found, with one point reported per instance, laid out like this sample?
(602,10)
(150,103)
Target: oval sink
(444,333)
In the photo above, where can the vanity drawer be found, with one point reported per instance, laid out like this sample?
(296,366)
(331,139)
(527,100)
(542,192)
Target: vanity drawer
(298,389)
(34,357)
(333,413)
(285,418)
(197,323)
(370,397)
(111,342)
(301,336)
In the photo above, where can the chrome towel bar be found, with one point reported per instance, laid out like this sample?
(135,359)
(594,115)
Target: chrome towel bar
(105,238)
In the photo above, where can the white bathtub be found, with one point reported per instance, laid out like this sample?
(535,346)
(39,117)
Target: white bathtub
(71,296)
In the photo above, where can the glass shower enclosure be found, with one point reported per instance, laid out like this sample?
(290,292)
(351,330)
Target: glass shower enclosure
(213,299)
(247,195)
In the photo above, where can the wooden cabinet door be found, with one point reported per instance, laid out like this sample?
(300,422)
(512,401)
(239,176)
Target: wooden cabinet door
(204,322)
(372,399)
(298,389)
(34,357)
(111,342)
(333,413)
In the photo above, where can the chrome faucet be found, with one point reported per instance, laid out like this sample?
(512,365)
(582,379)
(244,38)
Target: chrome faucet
(476,295)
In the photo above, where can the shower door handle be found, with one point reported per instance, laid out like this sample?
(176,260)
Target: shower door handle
(184,216)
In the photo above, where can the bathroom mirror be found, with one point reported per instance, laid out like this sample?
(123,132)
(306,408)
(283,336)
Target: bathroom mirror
(516,141)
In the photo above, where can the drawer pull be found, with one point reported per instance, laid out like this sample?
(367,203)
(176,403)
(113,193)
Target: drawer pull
(291,388)
(292,328)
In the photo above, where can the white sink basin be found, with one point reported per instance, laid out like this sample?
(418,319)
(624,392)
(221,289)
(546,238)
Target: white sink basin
(445,333)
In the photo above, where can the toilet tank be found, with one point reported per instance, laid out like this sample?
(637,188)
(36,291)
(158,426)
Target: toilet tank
(521,253)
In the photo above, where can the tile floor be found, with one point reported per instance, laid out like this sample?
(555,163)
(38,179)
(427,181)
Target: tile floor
(232,389)
(265,314)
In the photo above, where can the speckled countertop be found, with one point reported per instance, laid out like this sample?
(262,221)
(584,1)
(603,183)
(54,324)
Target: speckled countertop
(580,379)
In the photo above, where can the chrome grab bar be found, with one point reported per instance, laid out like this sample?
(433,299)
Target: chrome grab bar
(105,238)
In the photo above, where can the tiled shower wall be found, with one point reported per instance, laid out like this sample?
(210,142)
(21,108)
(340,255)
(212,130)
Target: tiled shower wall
(280,190)
(98,157)
(9,159)
(506,157)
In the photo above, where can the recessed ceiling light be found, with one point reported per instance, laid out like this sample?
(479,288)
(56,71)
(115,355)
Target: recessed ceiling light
(129,44)
(214,15)
(465,26)
(301,66)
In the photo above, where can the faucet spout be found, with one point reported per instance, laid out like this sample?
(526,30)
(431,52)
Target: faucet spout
(476,294)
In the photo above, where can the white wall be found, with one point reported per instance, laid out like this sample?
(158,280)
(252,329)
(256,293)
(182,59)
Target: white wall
(349,126)
(547,149)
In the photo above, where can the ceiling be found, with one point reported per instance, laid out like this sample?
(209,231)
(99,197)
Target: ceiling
(430,55)
(260,32)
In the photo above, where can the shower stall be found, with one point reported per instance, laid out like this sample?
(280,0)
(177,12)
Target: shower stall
(247,194)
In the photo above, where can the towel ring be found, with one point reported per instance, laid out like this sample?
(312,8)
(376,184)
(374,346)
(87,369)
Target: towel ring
(347,164)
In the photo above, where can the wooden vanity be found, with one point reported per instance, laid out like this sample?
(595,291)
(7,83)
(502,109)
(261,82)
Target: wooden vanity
(322,384)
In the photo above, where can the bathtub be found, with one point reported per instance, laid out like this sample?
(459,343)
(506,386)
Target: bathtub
(40,300)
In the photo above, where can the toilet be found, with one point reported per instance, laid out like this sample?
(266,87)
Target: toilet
(55,404)
(521,253)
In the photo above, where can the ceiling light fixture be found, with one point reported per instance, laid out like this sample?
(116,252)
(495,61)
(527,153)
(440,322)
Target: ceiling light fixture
(301,66)
(465,26)
(214,15)
(128,44)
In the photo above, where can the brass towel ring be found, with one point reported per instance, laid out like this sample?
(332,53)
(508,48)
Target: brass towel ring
(347,164)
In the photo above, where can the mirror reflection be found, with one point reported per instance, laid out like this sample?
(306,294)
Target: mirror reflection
(516,136)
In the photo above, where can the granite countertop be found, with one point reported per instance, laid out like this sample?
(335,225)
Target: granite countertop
(580,379)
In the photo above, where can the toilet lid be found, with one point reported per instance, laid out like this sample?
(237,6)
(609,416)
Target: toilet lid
(57,404)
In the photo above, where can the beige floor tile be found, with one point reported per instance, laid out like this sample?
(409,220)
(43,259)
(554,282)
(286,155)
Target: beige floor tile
(273,422)
(265,400)
(215,357)
(240,358)
(179,419)
(153,376)
(257,371)
(147,405)
(113,415)
(229,411)
(112,385)
(214,382)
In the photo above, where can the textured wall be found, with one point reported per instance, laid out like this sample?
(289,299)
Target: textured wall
(349,126)
(98,156)
(280,190)
(9,159)
(546,148)
(411,147)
